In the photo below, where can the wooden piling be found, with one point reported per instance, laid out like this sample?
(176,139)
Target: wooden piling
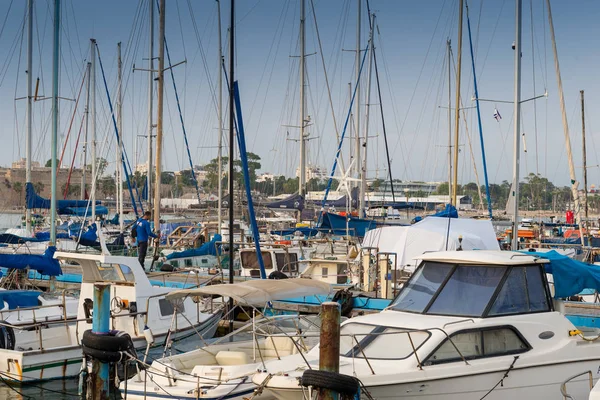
(329,348)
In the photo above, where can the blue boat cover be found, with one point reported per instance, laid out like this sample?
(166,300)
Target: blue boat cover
(82,211)
(90,237)
(9,238)
(33,200)
(571,277)
(45,263)
(342,201)
(292,202)
(308,232)
(19,298)
(43,236)
(208,248)
(449,212)
(336,224)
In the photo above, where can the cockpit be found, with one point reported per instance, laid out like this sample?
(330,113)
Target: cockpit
(474,290)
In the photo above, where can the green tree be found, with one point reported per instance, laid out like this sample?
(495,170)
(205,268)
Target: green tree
(38,187)
(107,186)
(48,164)
(18,188)
(167,178)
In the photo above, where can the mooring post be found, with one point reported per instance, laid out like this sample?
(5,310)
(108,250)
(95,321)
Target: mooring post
(101,324)
(329,348)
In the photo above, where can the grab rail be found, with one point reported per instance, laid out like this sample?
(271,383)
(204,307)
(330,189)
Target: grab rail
(563,386)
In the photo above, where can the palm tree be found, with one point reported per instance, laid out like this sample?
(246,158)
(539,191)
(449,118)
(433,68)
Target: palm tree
(18,187)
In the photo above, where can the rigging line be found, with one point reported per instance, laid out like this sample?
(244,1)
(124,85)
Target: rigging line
(482,69)
(335,125)
(62,154)
(11,52)
(537,165)
(124,158)
(73,160)
(6,17)
(17,85)
(419,76)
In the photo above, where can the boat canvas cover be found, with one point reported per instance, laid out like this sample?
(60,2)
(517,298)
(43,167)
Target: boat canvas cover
(431,234)
(207,249)
(33,200)
(45,263)
(292,202)
(570,276)
(339,225)
(258,292)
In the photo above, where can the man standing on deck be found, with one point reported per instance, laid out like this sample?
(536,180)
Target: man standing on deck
(144,232)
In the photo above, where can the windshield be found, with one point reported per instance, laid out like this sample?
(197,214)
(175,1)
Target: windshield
(420,289)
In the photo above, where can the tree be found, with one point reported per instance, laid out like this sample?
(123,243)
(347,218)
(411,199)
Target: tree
(18,188)
(38,187)
(167,178)
(101,165)
(48,164)
(107,186)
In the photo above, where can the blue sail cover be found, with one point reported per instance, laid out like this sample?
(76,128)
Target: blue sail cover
(19,298)
(33,200)
(82,211)
(293,202)
(9,238)
(342,202)
(90,237)
(207,249)
(336,224)
(571,277)
(308,232)
(45,263)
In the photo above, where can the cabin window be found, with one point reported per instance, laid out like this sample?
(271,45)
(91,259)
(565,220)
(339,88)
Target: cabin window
(287,262)
(341,274)
(470,286)
(188,262)
(167,307)
(250,261)
(522,292)
(324,272)
(473,344)
(379,342)
(204,261)
(175,264)
(127,273)
(110,272)
(419,291)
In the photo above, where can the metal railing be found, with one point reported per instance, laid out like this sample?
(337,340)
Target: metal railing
(563,386)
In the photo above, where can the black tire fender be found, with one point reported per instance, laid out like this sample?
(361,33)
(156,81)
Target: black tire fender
(7,336)
(102,355)
(113,342)
(343,384)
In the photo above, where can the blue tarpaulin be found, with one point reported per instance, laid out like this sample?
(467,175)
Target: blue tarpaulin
(309,232)
(209,248)
(45,263)
(336,224)
(20,298)
(571,277)
(82,211)
(449,212)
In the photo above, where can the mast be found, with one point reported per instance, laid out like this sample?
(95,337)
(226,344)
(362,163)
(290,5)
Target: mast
(457,108)
(87,123)
(585,191)
(220,145)
(302,175)
(231,143)
(517,136)
(119,164)
(55,68)
(449,120)
(574,183)
(159,109)
(363,175)
(150,102)
(93,107)
(29,108)
(357,146)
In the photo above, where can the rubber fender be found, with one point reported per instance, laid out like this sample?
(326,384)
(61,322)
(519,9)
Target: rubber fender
(113,341)
(7,336)
(277,275)
(342,384)
(102,355)
(344,297)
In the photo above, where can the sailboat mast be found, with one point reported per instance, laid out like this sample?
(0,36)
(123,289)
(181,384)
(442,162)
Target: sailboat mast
(220,144)
(159,109)
(93,125)
(29,107)
(302,172)
(574,183)
(150,102)
(363,175)
(119,164)
(55,68)
(517,126)
(87,123)
(457,102)
(449,56)
(231,143)
(357,146)
(585,186)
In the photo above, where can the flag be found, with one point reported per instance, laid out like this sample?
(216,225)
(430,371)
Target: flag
(497,115)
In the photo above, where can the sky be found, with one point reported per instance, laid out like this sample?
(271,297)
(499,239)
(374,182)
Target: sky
(410,46)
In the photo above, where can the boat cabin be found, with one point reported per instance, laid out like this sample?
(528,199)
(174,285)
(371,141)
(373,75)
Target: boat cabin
(476,284)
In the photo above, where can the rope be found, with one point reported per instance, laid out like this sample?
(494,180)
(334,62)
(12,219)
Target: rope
(501,381)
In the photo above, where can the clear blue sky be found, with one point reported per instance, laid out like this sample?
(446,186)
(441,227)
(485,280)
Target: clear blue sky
(410,45)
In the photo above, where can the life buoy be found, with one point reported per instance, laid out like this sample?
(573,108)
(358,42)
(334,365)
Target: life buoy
(286,242)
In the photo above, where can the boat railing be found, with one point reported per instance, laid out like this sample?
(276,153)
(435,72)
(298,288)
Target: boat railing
(563,386)
(6,313)
(358,337)
(163,275)
(39,326)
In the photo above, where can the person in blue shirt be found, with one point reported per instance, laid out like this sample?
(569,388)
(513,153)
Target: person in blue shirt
(143,234)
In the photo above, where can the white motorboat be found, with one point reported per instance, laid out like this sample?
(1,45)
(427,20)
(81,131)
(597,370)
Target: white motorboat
(467,325)
(46,350)
(223,369)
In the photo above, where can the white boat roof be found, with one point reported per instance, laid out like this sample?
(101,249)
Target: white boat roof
(492,257)
(259,291)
